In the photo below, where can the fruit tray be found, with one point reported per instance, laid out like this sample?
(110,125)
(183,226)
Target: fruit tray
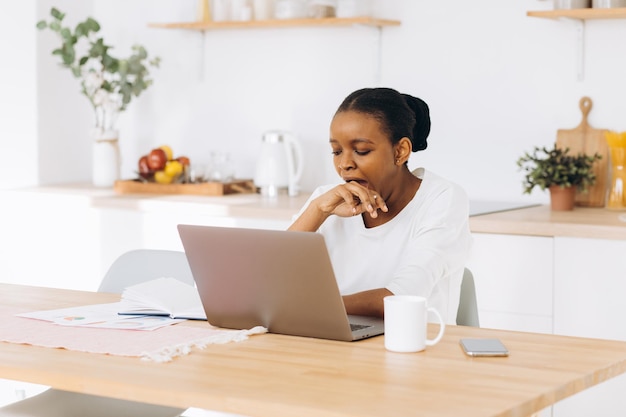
(204,188)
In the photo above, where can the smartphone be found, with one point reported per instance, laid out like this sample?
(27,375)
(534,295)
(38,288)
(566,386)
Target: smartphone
(484,347)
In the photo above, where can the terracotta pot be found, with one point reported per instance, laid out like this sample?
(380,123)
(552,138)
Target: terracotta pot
(562,199)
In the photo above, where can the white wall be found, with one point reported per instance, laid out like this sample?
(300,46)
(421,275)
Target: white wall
(498,83)
(18,96)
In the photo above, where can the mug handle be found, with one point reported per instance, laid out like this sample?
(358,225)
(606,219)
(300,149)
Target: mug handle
(442,328)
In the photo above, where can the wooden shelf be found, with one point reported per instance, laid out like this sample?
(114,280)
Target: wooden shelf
(278,23)
(581,14)
(578,17)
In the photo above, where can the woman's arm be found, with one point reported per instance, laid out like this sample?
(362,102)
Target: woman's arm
(345,200)
(366,303)
(311,218)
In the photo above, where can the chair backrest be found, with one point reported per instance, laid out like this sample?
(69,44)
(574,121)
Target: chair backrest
(140,265)
(467,314)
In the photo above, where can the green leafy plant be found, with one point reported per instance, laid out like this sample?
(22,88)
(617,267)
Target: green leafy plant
(545,167)
(108,82)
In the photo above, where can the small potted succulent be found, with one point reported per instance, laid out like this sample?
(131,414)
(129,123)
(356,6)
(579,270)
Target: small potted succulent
(555,169)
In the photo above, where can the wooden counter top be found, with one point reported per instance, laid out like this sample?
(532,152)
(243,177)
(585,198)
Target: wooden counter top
(582,222)
(597,223)
(250,205)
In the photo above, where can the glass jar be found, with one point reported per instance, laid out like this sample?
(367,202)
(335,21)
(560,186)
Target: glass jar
(220,167)
(290,9)
(617,152)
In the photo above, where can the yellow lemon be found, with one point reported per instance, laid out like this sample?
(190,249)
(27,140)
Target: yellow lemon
(161,177)
(168,151)
(173,168)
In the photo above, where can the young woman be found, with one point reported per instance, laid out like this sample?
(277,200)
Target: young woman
(388,230)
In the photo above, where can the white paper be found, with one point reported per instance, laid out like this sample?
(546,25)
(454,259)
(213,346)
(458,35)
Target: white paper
(163,296)
(100,316)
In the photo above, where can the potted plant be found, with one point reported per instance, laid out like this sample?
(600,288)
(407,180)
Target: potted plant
(109,83)
(558,171)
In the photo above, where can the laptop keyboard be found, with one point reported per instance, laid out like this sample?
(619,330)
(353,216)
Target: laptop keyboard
(354,327)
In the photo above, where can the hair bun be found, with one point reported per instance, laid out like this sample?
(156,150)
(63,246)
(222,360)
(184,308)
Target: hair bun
(422,122)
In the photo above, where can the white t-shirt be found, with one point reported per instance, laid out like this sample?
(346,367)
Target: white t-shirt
(422,251)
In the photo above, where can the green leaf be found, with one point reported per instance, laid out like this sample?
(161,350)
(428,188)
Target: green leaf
(66,33)
(92,25)
(546,167)
(140,51)
(110,64)
(68,54)
(107,86)
(54,12)
(124,77)
(80,30)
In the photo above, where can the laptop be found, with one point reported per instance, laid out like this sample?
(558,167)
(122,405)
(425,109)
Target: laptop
(281,280)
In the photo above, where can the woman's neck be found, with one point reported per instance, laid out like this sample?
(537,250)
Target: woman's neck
(401,195)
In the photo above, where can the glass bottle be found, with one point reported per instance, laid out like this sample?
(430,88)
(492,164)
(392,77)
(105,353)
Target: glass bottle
(617,152)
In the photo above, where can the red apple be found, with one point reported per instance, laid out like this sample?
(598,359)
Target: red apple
(157,158)
(183,160)
(144,168)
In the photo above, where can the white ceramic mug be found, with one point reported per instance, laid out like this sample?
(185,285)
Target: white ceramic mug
(406,318)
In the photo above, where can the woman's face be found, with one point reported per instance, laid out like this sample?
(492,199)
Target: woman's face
(362,152)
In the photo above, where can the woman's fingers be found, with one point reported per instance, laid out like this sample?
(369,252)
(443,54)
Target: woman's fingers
(365,200)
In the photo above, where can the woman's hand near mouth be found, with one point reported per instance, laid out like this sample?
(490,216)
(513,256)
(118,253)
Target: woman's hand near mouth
(345,200)
(352,199)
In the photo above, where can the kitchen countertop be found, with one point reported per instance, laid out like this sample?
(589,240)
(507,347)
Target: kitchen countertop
(583,222)
(486,216)
(249,205)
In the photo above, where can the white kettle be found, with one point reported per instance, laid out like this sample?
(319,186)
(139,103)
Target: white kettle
(280,164)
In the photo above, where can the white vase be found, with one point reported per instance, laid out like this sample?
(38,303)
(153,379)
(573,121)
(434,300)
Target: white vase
(105,158)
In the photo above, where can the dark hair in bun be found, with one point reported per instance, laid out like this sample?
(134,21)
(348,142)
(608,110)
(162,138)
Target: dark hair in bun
(400,115)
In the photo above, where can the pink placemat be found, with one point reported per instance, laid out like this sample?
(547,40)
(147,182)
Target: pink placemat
(160,345)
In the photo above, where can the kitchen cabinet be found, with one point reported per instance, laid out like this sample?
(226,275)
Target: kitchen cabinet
(544,271)
(560,273)
(68,236)
(49,240)
(589,289)
(513,278)
(578,17)
(279,23)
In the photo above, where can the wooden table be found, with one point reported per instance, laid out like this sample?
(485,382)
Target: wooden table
(275,375)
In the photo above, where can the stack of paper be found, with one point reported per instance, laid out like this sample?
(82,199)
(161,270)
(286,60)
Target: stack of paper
(163,297)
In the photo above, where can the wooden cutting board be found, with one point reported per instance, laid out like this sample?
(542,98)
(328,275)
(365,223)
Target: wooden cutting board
(585,139)
(204,188)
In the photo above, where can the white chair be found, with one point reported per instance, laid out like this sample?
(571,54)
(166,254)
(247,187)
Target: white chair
(467,314)
(130,268)
(142,265)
